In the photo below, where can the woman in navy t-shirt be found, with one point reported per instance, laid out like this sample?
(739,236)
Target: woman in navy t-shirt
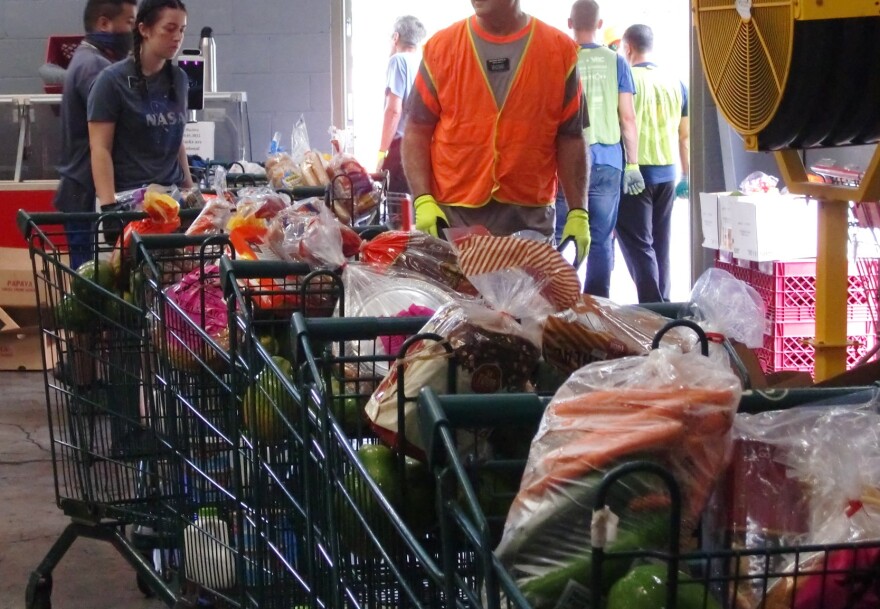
(137,109)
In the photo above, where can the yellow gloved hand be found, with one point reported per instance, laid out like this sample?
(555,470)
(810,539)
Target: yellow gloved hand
(429,217)
(577,229)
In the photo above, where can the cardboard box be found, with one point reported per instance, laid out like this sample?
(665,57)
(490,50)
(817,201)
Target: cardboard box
(717,221)
(727,220)
(20,339)
(16,278)
(768,227)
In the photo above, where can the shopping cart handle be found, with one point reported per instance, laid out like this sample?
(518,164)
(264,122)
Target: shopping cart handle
(304,192)
(357,328)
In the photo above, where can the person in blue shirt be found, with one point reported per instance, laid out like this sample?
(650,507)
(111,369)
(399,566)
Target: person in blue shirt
(644,225)
(108,25)
(403,65)
(613,138)
(137,109)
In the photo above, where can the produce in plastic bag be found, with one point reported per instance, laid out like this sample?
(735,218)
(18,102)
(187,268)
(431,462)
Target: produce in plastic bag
(669,408)
(597,329)
(492,352)
(813,478)
(354,193)
(318,239)
(722,303)
(163,217)
(418,252)
(199,297)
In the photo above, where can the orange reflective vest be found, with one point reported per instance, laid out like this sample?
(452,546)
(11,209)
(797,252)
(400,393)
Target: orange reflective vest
(482,152)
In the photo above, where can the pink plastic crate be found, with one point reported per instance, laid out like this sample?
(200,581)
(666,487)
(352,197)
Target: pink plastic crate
(790,352)
(743,273)
(60,50)
(789,290)
(808,328)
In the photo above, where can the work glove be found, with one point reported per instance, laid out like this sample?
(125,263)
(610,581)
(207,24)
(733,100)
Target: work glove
(633,182)
(577,229)
(683,188)
(429,217)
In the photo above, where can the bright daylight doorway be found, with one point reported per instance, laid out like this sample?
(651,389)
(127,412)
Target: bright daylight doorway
(370,46)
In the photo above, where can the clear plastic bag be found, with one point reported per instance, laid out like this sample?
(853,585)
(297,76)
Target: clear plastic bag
(597,329)
(672,409)
(722,303)
(813,478)
(759,182)
(319,239)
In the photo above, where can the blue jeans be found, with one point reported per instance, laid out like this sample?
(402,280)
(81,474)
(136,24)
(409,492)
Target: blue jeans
(604,199)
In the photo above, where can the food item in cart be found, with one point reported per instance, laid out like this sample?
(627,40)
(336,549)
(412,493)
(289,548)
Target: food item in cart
(556,278)
(89,275)
(72,315)
(163,217)
(670,409)
(644,587)
(213,218)
(353,192)
(411,497)
(597,329)
(837,579)
(420,253)
(490,351)
(266,401)
(195,302)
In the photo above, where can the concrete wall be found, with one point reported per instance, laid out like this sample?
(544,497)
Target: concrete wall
(278,51)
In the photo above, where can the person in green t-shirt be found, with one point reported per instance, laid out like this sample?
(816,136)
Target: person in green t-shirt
(608,85)
(644,220)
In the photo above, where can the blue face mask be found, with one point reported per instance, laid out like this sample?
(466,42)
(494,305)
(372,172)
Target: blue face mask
(117,44)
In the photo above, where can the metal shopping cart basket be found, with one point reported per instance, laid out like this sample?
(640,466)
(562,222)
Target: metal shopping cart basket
(197,384)
(472,503)
(106,459)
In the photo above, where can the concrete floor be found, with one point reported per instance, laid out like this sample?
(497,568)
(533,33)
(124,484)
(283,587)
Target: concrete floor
(92,575)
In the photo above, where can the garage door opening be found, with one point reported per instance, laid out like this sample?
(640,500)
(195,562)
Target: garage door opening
(369,39)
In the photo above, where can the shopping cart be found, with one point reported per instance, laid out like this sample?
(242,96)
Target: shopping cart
(472,506)
(198,382)
(106,458)
(359,530)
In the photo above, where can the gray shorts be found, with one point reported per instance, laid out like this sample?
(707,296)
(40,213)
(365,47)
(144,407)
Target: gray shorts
(502,219)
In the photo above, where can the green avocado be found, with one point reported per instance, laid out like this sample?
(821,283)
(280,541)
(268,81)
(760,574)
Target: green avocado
(644,587)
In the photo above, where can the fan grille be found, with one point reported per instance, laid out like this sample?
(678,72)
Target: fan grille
(746,60)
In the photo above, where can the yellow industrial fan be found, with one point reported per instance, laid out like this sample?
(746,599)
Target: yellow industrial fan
(794,74)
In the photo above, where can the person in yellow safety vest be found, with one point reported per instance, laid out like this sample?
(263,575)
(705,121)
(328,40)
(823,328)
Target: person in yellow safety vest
(497,112)
(644,220)
(608,85)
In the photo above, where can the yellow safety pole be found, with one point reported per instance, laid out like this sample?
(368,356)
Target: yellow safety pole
(832,287)
(832,272)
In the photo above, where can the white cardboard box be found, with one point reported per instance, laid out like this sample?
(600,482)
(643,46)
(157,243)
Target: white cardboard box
(771,227)
(726,220)
(709,219)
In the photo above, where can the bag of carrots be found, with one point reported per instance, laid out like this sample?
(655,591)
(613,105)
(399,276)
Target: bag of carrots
(671,409)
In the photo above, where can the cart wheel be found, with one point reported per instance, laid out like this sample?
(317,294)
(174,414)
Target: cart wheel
(39,592)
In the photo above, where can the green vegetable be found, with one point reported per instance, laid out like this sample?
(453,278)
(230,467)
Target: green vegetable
(644,587)
(266,400)
(651,531)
